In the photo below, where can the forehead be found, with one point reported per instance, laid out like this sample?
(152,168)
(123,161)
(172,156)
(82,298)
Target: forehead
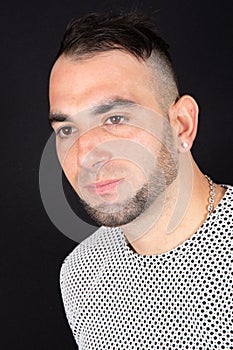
(79,84)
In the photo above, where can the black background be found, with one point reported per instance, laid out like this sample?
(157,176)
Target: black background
(32,249)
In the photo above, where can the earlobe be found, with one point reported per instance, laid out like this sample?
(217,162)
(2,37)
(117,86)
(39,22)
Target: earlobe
(183,117)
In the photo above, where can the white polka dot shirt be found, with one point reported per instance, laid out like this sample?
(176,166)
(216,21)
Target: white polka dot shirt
(116,299)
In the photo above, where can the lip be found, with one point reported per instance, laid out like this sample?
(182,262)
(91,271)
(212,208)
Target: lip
(105,186)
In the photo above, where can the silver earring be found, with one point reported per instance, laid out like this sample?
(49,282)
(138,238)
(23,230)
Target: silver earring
(184,144)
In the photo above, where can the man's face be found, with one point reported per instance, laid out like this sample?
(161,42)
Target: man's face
(114,144)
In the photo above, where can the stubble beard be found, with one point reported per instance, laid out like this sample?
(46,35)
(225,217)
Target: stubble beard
(122,213)
(119,214)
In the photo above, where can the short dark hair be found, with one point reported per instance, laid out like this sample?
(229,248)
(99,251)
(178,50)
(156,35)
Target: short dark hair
(131,32)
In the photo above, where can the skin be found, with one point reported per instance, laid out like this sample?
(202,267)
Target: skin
(77,86)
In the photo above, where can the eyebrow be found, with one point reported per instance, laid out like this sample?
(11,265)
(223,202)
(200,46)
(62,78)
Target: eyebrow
(111,104)
(58,117)
(105,107)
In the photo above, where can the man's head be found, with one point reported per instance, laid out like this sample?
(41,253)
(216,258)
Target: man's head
(110,87)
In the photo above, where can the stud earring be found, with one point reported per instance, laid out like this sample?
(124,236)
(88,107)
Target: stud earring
(185,145)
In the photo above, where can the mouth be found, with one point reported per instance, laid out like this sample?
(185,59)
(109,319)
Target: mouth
(102,187)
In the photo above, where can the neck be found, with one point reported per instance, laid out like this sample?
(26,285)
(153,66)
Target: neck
(169,221)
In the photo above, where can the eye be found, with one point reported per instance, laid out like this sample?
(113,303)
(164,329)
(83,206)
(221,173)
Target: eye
(65,131)
(115,120)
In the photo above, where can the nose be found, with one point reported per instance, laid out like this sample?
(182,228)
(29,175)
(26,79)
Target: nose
(93,151)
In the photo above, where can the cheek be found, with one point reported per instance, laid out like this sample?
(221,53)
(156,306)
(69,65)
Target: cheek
(69,164)
(147,142)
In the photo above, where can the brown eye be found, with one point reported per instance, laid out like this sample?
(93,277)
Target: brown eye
(115,120)
(65,131)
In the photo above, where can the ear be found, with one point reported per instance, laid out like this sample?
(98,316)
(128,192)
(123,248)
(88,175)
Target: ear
(183,116)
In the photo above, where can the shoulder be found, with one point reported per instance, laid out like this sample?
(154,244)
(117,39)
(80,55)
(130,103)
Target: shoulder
(220,223)
(226,203)
(91,255)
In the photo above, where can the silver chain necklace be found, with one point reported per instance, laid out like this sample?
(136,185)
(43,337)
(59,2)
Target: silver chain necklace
(212,195)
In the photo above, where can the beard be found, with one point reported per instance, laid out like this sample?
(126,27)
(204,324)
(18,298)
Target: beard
(161,176)
(120,213)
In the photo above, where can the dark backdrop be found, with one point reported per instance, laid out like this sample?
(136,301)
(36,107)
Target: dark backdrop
(32,249)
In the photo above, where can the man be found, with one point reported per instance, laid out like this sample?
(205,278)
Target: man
(158,274)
